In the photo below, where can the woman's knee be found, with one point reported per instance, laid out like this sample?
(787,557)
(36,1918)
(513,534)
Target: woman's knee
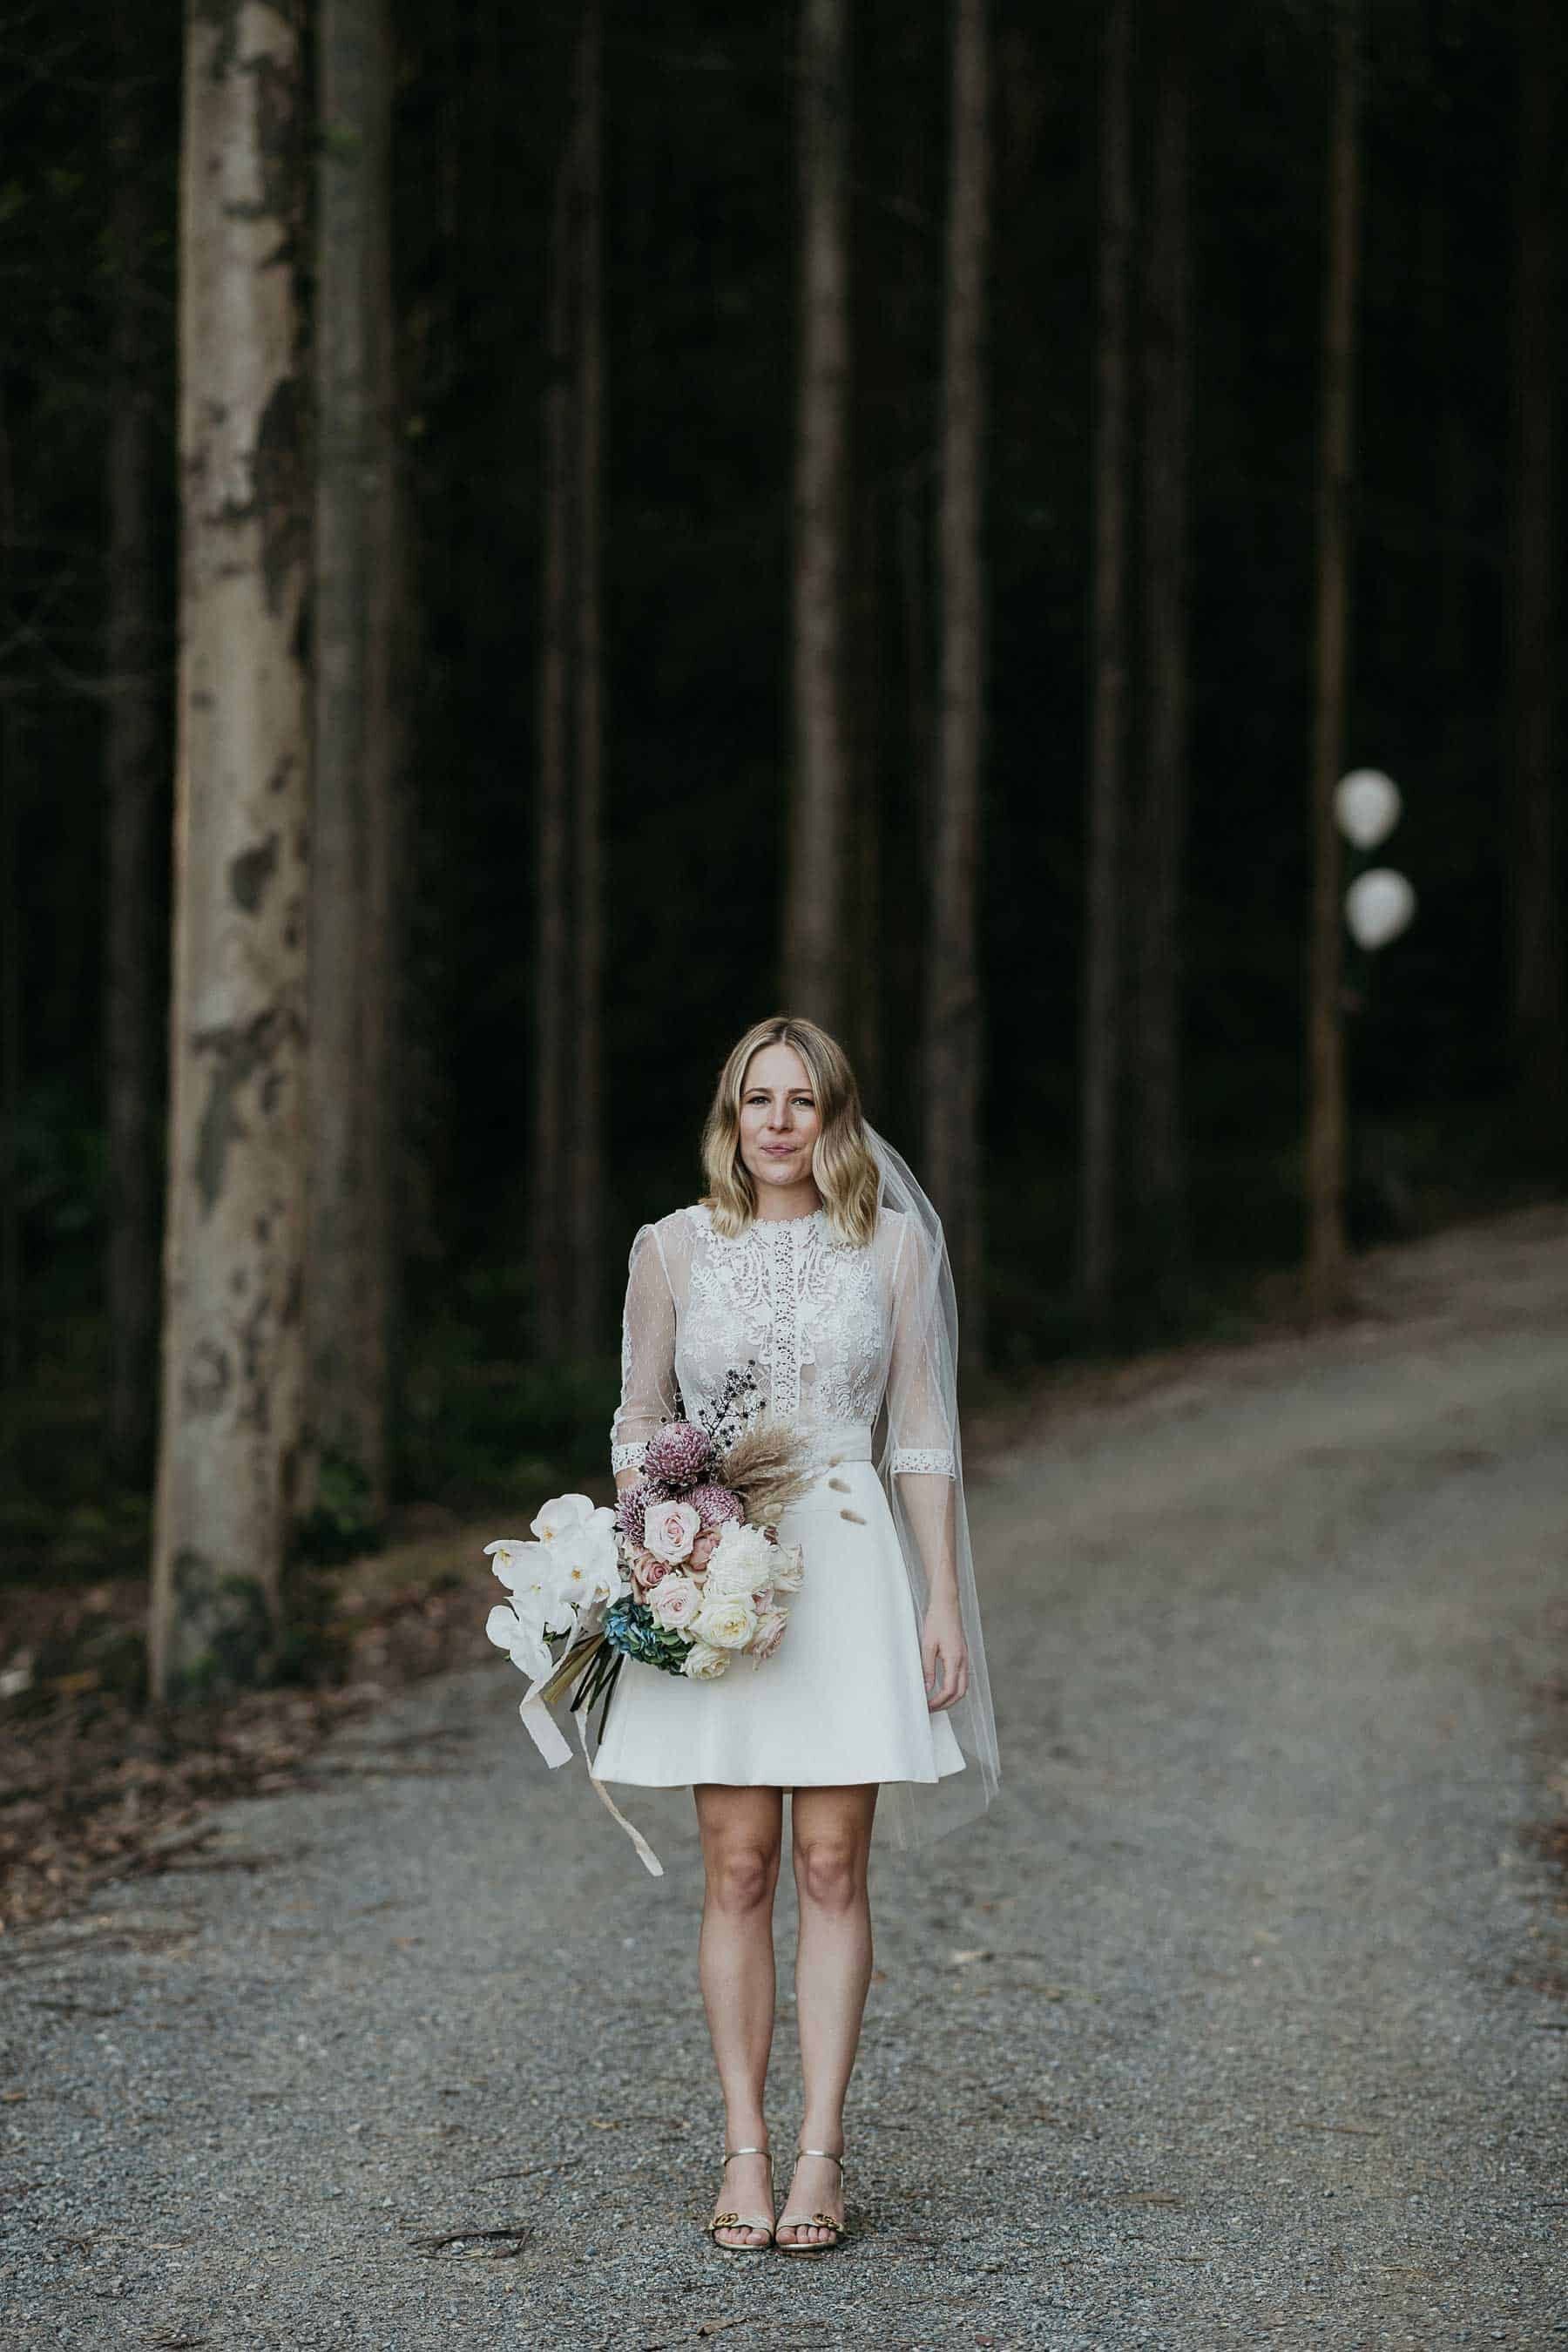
(830,1871)
(741,1875)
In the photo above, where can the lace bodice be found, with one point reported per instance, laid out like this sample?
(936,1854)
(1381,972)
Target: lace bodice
(831,1331)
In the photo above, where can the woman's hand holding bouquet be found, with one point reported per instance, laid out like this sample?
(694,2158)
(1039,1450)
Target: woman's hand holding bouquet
(686,1573)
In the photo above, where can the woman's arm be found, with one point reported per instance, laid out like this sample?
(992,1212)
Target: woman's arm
(648,1358)
(918,1429)
(922,1438)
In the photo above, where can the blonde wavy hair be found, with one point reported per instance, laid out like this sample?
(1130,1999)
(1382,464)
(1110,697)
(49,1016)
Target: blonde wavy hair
(842,1166)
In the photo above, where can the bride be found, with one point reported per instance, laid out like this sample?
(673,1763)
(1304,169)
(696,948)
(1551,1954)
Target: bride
(816,1261)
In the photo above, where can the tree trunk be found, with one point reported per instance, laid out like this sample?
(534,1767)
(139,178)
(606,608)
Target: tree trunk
(134,750)
(1156,1160)
(13,1303)
(233,1358)
(817,897)
(1327,1273)
(392,664)
(1534,839)
(866,988)
(955,1039)
(1101,1016)
(553,985)
(585,1098)
(351,966)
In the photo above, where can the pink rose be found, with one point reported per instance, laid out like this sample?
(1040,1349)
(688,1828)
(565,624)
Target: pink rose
(646,1571)
(676,1602)
(702,1550)
(770,1632)
(669,1530)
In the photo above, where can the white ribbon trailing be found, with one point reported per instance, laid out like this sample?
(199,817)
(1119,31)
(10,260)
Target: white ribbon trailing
(545,1732)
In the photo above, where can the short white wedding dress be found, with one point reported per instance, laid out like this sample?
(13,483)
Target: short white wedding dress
(836,1338)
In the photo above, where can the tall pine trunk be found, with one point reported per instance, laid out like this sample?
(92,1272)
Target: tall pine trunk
(569,929)
(1155,1158)
(552,798)
(1534,830)
(1327,1270)
(816,958)
(13,1302)
(587,1095)
(352,964)
(1100,1049)
(133,753)
(233,1351)
(955,1039)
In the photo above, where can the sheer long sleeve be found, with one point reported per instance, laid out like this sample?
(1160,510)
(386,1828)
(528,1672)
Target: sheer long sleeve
(922,1435)
(647,1353)
(920,1380)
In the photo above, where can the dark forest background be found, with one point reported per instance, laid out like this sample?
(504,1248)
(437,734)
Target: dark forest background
(1452,1105)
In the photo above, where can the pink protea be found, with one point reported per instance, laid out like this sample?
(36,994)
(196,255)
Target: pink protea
(714,1505)
(677,1455)
(632,1508)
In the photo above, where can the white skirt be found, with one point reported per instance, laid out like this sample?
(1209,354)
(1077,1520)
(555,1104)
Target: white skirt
(841,1700)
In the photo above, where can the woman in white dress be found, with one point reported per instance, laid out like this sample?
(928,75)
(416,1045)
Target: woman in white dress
(815,1262)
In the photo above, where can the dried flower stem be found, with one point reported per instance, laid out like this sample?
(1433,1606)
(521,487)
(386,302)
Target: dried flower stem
(768,1467)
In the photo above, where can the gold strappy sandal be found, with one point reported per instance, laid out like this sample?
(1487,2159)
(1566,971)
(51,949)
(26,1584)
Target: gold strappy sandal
(742,2220)
(813,2221)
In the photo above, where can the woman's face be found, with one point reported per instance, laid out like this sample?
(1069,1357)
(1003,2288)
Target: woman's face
(780,1122)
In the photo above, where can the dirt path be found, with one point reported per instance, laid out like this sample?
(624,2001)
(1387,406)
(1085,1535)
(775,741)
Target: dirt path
(1234,2025)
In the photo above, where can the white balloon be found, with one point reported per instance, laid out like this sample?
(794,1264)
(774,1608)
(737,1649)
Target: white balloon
(1366,806)
(1379,905)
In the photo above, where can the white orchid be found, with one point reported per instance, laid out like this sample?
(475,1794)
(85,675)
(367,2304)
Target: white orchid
(580,1539)
(514,1560)
(567,1515)
(554,1580)
(534,1574)
(524,1643)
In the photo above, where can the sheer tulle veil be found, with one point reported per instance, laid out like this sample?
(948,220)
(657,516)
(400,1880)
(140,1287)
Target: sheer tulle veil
(920,1411)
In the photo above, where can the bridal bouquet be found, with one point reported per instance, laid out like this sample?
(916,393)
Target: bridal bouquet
(687,1574)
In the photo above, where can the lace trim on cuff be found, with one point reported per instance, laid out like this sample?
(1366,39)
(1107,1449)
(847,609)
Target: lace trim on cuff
(627,1457)
(916,1458)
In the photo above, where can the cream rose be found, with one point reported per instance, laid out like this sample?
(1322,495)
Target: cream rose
(675,1600)
(669,1530)
(726,1620)
(704,1663)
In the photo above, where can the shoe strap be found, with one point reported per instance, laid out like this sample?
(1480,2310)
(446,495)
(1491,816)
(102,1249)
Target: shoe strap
(828,2152)
(729,2152)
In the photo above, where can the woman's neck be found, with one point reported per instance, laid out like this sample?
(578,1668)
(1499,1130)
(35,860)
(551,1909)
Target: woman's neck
(779,1203)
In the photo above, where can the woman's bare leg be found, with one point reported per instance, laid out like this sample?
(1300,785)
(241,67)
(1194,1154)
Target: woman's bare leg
(742,1831)
(830,1832)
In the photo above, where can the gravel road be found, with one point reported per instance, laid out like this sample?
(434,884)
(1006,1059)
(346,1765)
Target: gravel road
(1239,2021)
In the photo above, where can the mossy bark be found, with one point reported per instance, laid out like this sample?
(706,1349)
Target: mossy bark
(233,1355)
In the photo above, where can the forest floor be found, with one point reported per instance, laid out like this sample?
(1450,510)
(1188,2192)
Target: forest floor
(1240,2020)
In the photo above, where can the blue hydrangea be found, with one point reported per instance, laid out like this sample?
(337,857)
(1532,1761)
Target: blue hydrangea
(629,1627)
